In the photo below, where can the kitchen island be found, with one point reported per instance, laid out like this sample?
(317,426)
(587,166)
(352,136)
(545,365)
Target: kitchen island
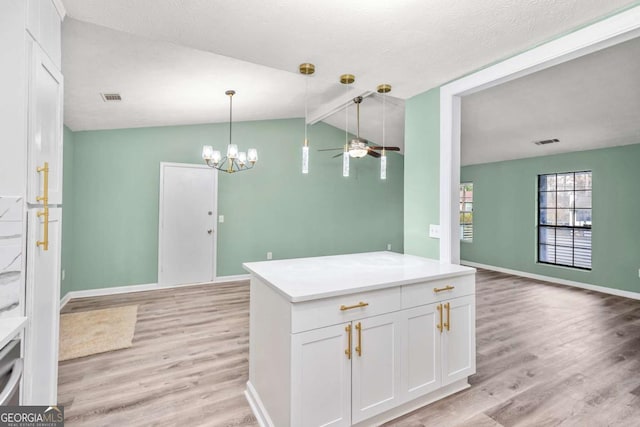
(357,340)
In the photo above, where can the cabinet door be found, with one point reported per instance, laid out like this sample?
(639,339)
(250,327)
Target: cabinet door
(459,339)
(42,309)
(376,365)
(421,368)
(321,378)
(44,127)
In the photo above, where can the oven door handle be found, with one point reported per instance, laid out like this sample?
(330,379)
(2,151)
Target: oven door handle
(13,382)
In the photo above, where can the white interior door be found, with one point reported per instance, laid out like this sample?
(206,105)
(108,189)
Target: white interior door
(187,234)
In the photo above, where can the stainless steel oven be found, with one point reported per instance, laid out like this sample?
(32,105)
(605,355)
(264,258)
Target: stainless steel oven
(10,374)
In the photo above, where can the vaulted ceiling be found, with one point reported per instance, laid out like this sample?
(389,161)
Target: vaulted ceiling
(172,60)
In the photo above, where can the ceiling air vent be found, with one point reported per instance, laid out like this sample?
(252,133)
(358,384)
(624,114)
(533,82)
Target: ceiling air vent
(111,97)
(547,141)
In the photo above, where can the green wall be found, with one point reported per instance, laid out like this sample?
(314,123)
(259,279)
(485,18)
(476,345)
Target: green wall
(274,207)
(422,173)
(505,197)
(67,205)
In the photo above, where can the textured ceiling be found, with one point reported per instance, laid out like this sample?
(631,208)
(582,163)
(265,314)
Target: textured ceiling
(172,60)
(587,103)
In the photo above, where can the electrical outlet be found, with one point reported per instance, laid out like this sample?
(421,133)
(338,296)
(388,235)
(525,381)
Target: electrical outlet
(639,272)
(388,246)
(221,219)
(434,231)
(63,274)
(269,255)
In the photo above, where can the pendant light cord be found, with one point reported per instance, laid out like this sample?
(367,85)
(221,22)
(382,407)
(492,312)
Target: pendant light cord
(230,116)
(384,113)
(306,106)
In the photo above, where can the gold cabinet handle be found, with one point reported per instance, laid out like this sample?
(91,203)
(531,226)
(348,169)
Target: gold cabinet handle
(448,324)
(439,325)
(45,242)
(349,307)
(348,350)
(446,288)
(359,347)
(45,191)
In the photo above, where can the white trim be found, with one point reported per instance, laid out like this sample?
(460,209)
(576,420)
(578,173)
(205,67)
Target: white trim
(65,299)
(603,289)
(234,278)
(163,165)
(60,9)
(257,407)
(610,31)
(142,288)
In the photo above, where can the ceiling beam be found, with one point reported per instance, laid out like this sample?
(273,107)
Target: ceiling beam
(336,105)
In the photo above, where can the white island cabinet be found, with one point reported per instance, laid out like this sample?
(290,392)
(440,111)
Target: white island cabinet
(357,340)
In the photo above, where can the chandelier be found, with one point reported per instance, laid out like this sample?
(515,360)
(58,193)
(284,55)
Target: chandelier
(234,161)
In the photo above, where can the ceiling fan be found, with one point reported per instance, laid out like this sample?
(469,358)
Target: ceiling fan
(359,147)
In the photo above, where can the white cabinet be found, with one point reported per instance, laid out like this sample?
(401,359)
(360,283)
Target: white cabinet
(43,281)
(43,22)
(362,358)
(376,366)
(422,351)
(439,345)
(44,128)
(458,339)
(321,372)
(346,373)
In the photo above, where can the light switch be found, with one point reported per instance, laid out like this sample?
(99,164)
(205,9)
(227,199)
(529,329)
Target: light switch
(221,219)
(434,231)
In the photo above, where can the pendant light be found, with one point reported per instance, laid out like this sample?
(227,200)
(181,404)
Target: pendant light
(384,89)
(346,80)
(234,161)
(307,69)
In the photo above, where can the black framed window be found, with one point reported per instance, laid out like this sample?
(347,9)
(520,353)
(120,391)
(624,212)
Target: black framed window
(564,219)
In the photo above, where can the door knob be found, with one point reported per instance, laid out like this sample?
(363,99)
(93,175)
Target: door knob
(209,231)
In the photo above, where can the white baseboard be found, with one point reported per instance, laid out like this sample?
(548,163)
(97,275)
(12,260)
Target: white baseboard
(65,299)
(603,289)
(141,288)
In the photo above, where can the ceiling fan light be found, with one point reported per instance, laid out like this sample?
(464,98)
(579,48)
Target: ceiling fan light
(357,149)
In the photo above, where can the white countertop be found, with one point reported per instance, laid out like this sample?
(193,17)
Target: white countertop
(304,279)
(10,327)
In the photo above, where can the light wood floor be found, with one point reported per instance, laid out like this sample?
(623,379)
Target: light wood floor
(547,356)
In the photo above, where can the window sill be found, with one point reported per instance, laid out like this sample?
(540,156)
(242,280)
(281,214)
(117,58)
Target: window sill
(564,267)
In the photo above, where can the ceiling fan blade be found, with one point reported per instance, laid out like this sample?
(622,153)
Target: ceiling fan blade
(331,149)
(373,153)
(386,148)
(337,155)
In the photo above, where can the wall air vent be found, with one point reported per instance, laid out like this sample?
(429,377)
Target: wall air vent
(111,97)
(547,141)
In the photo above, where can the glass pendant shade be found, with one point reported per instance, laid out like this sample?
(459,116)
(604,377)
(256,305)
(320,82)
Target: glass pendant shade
(216,156)
(207,152)
(345,164)
(242,158)
(252,155)
(232,151)
(305,159)
(383,166)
